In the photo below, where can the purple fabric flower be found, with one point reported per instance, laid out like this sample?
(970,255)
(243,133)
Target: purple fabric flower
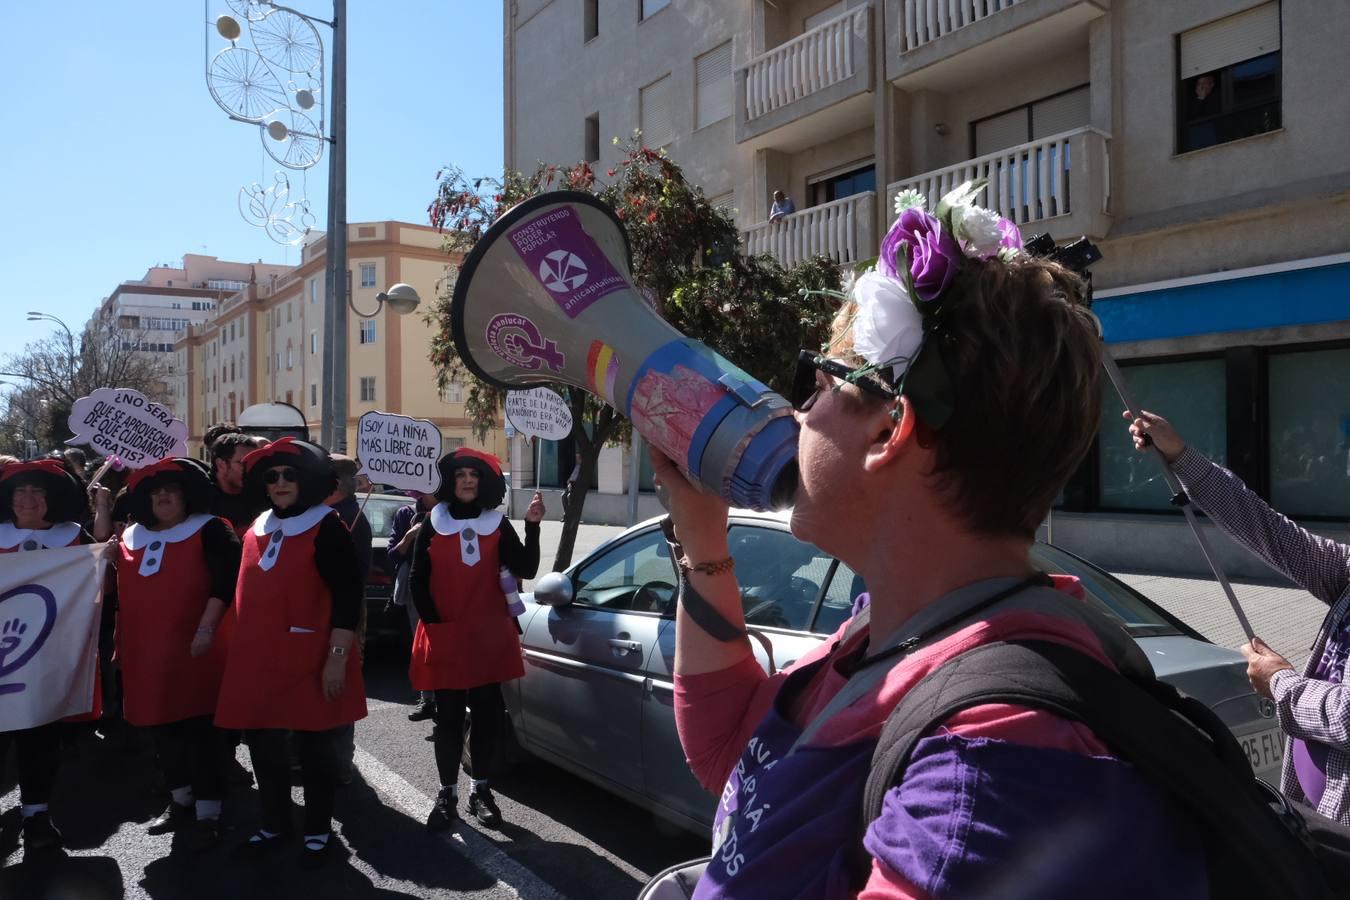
(933,254)
(1011,236)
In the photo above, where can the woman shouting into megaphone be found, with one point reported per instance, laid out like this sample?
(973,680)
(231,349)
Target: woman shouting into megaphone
(467,642)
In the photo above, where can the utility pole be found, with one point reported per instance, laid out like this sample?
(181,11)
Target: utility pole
(333,430)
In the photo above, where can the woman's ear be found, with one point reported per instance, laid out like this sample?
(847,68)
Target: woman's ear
(894,430)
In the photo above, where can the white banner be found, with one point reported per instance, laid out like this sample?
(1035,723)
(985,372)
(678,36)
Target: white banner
(539,412)
(50,602)
(123,423)
(399,451)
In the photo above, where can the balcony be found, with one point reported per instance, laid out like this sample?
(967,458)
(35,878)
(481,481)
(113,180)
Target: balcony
(947,45)
(815,84)
(841,229)
(1060,184)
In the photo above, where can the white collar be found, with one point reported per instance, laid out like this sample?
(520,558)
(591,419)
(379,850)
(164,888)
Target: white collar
(137,536)
(58,535)
(269,521)
(445,524)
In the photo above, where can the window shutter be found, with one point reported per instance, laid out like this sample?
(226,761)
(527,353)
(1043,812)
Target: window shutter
(998,132)
(714,85)
(1059,114)
(657,127)
(1230,40)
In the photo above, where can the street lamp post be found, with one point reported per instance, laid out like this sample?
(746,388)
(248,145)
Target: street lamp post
(34,316)
(333,427)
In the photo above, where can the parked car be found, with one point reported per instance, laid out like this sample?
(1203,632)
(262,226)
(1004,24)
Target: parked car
(597,696)
(379,511)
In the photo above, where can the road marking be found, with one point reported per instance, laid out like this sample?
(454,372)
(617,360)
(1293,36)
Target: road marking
(478,850)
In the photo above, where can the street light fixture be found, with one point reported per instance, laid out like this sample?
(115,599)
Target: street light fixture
(402,299)
(36,316)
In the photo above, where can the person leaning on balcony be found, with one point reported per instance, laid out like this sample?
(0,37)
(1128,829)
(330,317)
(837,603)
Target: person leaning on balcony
(1313,707)
(782,206)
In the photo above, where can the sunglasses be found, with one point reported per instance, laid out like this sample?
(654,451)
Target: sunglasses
(281,473)
(804,387)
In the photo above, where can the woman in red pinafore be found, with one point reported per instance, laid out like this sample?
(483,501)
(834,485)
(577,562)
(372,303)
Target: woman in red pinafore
(176,572)
(41,507)
(467,642)
(292,663)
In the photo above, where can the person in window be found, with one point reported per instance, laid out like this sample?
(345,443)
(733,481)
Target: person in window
(782,206)
(42,507)
(1313,707)
(292,663)
(467,642)
(176,572)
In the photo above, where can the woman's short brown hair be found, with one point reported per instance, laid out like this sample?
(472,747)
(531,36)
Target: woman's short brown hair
(1025,361)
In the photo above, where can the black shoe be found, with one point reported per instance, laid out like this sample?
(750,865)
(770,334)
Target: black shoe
(39,833)
(261,843)
(206,834)
(173,818)
(425,710)
(443,814)
(484,808)
(347,775)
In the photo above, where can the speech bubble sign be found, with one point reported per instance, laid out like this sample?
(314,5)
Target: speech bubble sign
(124,423)
(539,412)
(399,451)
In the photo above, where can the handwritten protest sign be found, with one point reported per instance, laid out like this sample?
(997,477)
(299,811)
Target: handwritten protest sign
(122,422)
(399,451)
(539,412)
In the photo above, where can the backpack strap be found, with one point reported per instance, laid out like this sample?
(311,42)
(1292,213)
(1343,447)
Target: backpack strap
(1175,741)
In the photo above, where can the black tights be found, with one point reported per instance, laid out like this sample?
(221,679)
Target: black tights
(37,753)
(319,760)
(485,706)
(195,753)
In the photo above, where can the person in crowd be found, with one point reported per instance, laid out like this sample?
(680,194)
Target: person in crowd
(227,464)
(936,434)
(343,501)
(176,573)
(41,507)
(292,662)
(403,529)
(467,643)
(782,206)
(109,498)
(1313,707)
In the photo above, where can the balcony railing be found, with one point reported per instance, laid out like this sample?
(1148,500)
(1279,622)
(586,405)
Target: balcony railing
(928,20)
(841,229)
(1067,174)
(824,56)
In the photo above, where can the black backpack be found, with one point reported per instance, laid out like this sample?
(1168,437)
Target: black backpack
(1257,843)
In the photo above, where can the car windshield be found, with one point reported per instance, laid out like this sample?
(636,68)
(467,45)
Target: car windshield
(1140,616)
(380,511)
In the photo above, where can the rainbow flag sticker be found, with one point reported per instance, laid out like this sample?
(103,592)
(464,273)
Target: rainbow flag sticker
(602,367)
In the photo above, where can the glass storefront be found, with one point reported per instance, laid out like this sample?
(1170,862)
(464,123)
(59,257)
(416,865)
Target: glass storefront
(1310,432)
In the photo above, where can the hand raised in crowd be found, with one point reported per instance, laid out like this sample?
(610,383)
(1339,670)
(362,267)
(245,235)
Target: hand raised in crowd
(534,513)
(405,543)
(334,677)
(1262,664)
(100,497)
(1164,436)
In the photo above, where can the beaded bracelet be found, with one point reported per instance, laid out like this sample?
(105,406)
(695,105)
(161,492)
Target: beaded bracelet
(709,568)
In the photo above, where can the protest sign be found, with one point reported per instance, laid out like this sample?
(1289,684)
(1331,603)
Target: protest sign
(50,604)
(399,451)
(122,422)
(539,412)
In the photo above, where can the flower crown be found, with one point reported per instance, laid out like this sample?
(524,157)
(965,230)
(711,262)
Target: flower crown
(898,304)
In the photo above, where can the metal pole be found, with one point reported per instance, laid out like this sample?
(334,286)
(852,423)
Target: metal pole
(634,478)
(334,428)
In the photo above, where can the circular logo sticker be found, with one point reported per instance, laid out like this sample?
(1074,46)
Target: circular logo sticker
(562,270)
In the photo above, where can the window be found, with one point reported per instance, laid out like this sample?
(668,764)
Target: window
(367,331)
(845,184)
(1310,433)
(290,397)
(592,138)
(1228,76)
(367,274)
(290,357)
(652,7)
(590,15)
(367,388)
(1044,118)
(780,577)
(453,392)
(1130,479)
(656,113)
(712,86)
(837,606)
(453,443)
(313,394)
(313,342)
(313,290)
(232,370)
(833,11)
(288,310)
(616,579)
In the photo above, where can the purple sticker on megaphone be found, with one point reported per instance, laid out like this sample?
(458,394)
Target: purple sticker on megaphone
(566,260)
(518,341)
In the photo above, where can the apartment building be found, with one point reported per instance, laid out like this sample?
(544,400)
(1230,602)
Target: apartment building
(1198,143)
(266,341)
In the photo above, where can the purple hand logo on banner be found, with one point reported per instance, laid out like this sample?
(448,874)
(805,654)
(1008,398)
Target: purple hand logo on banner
(28,614)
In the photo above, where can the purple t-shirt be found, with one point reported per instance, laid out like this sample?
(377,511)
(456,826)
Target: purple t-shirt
(1310,759)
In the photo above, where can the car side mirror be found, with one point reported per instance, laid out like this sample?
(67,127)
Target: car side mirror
(554,589)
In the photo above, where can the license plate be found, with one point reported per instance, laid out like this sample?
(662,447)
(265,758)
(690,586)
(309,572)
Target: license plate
(1264,749)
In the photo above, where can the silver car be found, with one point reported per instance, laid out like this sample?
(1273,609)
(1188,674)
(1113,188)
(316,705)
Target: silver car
(598,693)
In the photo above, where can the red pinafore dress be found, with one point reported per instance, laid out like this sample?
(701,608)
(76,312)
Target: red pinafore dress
(475,642)
(163,584)
(282,632)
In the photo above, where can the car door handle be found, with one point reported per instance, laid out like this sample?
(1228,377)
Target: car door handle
(626,646)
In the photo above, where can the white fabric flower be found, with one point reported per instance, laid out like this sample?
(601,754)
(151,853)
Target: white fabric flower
(888,325)
(979,228)
(909,198)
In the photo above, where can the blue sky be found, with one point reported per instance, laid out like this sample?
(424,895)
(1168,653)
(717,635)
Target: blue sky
(115,158)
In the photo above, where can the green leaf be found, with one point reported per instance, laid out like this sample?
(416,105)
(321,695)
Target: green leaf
(962,195)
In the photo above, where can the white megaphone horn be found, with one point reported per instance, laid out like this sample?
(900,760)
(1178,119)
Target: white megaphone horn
(546,296)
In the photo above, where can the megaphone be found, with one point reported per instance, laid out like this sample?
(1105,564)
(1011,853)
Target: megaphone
(546,295)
